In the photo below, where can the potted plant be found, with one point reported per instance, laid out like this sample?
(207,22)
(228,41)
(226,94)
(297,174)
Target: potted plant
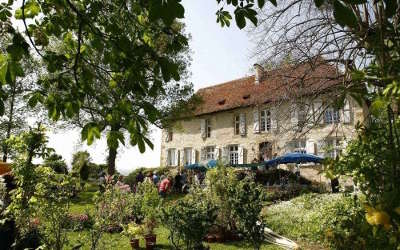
(133,231)
(150,224)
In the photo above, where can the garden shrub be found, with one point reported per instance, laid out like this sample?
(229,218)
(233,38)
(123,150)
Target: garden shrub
(51,205)
(239,202)
(247,199)
(220,182)
(78,222)
(113,209)
(277,176)
(189,220)
(149,202)
(57,163)
(372,161)
(336,220)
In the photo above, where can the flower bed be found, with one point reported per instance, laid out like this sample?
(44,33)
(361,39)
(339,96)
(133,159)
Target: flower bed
(78,222)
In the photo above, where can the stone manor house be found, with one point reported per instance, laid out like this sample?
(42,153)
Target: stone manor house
(252,119)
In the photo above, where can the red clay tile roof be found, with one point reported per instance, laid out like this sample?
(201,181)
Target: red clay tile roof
(278,84)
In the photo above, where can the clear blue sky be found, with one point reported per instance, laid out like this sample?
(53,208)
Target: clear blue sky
(219,54)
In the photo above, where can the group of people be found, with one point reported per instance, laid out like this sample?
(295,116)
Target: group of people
(162,182)
(180,183)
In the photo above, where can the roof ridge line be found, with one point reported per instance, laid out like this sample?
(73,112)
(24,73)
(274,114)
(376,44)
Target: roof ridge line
(223,83)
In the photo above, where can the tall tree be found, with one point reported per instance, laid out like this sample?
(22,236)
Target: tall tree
(16,111)
(119,54)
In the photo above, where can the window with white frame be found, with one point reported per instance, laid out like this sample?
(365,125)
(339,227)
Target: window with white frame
(210,153)
(265,120)
(233,154)
(171,160)
(331,116)
(332,147)
(187,156)
(237,124)
(208,128)
(299,146)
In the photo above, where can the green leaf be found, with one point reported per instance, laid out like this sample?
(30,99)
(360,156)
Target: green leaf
(113,137)
(378,106)
(319,3)
(34,99)
(252,16)
(261,3)
(89,132)
(344,16)
(3,68)
(148,142)
(141,145)
(240,19)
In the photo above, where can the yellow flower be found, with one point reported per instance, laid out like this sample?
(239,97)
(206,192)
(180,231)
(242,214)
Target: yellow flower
(377,217)
(397,210)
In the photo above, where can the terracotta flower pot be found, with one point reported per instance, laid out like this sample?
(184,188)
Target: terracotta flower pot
(150,241)
(134,243)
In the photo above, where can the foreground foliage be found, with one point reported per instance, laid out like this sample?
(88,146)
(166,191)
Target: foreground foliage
(337,220)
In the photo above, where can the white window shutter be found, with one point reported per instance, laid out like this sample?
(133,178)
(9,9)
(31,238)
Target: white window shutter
(216,153)
(274,119)
(346,112)
(318,116)
(176,163)
(294,116)
(167,158)
(203,128)
(256,121)
(242,124)
(241,155)
(310,147)
(193,160)
(225,155)
(167,139)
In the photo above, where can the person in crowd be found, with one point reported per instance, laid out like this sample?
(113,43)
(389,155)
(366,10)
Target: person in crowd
(165,186)
(197,178)
(178,182)
(335,185)
(139,177)
(156,179)
(149,178)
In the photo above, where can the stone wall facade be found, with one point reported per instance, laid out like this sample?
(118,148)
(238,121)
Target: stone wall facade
(238,127)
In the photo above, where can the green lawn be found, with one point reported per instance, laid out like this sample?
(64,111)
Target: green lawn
(117,241)
(83,202)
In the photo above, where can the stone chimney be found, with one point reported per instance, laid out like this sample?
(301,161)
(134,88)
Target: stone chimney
(259,73)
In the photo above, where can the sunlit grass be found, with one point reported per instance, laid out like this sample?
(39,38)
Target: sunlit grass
(84,202)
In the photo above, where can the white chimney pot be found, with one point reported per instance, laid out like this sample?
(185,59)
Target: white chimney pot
(259,71)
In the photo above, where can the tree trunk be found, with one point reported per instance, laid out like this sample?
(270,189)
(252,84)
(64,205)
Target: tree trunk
(112,156)
(9,124)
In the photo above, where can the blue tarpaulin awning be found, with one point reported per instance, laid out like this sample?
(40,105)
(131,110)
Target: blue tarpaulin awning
(294,158)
